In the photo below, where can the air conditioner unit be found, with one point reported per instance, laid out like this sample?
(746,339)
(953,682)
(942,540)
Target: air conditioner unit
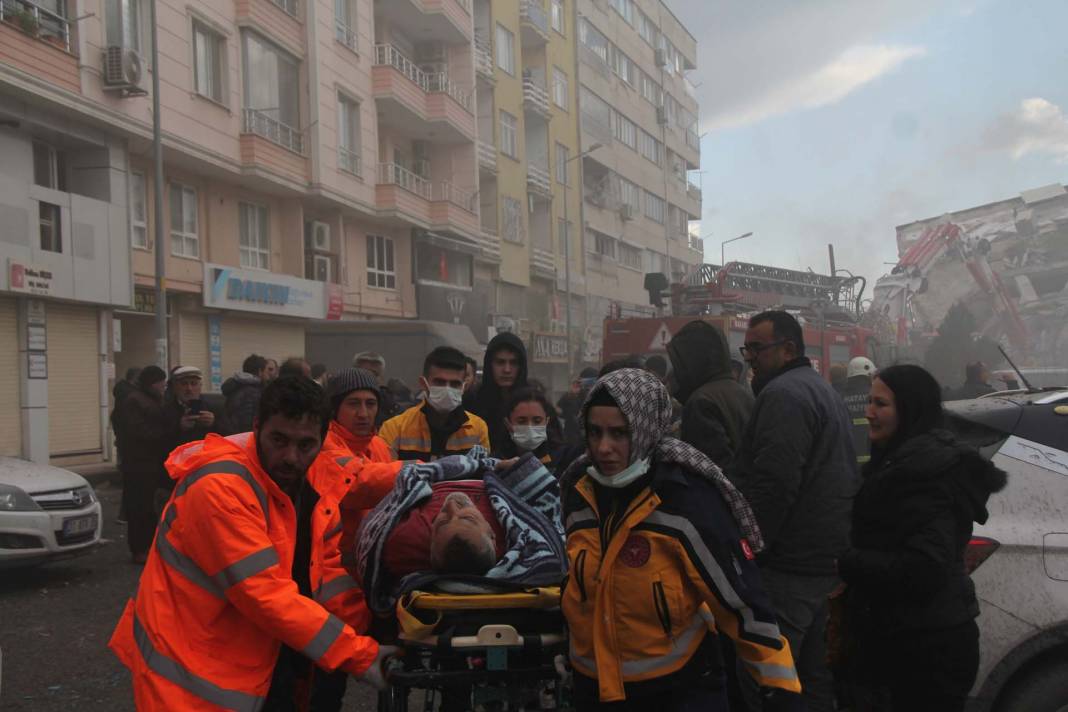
(661,115)
(324,268)
(626,211)
(660,58)
(320,236)
(122,68)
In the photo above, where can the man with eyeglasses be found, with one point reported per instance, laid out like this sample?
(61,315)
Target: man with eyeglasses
(797,468)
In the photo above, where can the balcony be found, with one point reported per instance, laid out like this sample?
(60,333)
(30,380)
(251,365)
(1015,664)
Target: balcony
(542,263)
(256,122)
(693,192)
(533,23)
(484,59)
(349,161)
(487,156)
(449,21)
(409,98)
(538,180)
(38,42)
(536,98)
(696,244)
(346,35)
(430,205)
(490,243)
(693,140)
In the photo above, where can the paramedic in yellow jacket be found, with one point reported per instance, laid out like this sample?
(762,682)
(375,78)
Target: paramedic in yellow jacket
(661,551)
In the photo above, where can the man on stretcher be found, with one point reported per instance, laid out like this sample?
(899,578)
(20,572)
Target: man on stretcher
(467,522)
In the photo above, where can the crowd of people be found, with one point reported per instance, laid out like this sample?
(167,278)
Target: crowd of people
(728,534)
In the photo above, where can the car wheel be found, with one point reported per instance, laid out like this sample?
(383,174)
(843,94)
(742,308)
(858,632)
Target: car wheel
(1043,690)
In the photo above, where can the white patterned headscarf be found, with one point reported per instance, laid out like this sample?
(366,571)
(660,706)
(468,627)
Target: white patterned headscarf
(646,406)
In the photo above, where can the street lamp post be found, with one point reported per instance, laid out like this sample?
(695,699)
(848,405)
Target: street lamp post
(722,245)
(567,256)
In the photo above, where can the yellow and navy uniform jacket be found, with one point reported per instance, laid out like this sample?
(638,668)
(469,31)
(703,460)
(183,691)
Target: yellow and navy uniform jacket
(410,436)
(645,590)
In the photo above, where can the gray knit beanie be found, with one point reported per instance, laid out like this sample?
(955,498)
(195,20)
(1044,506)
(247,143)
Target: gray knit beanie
(348,380)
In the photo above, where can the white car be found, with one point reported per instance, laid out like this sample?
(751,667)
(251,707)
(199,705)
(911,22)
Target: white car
(45,513)
(1019,558)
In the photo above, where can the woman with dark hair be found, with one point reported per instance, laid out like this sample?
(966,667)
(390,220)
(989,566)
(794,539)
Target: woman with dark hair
(910,602)
(533,426)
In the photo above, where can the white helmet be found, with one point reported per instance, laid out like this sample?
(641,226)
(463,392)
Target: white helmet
(860,366)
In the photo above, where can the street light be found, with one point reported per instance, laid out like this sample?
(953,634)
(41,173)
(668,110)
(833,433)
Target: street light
(567,255)
(722,252)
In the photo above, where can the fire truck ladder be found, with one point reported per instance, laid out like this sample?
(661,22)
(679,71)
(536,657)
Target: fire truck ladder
(713,283)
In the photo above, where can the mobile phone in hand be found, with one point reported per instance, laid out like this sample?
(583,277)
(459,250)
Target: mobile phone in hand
(195,406)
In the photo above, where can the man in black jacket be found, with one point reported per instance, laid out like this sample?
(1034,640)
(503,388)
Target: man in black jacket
(797,469)
(976,382)
(715,406)
(503,371)
(242,392)
(192,419)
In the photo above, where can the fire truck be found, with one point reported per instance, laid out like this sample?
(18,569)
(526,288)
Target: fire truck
(828,308)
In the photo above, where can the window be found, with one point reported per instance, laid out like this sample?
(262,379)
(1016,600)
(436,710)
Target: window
(558,15)
(345,23)
(51,231)
(289,6)
(254,241)
(208,53)
(625,130)
(560,88)
(651,90)
(348,135)
(656,262)
(138,211)
(649,147)
(562,154)
(592,39)
(630,256)
(625,8)
(647,29)
(505,50)
(630,194)
(381,270)
(123,20)
(441,266)
(654,207)
(512,213)
(49,168)
(604,245)
(509,135)
(621,65)
(184,239)
(272,90)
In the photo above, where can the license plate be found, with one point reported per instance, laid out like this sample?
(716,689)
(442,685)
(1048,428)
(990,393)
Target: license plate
(79,525)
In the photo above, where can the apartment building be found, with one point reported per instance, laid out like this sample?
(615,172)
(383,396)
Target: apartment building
(528,184)
(319,164)
(639,110)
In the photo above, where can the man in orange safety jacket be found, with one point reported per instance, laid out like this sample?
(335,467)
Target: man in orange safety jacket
(226,613)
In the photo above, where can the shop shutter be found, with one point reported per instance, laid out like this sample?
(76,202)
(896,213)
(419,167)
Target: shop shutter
(73,380)
(194,344)
(241,337)
(10,415)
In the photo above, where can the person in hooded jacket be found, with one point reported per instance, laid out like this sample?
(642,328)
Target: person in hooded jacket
(661,549)
(715,406)
(242,392)
(504,369)
(911,605)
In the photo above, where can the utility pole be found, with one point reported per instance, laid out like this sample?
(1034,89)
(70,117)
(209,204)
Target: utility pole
(157,156)
(567,256)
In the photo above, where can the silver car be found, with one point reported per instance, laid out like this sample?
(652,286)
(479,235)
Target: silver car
(1019,558)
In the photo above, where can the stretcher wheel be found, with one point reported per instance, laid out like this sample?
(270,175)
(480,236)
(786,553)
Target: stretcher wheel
(394,699)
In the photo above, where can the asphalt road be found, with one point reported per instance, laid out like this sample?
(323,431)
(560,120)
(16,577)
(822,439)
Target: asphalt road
(55,622)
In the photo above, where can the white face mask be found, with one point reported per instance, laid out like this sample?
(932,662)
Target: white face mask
(623,478)
(529,437)
(444,399)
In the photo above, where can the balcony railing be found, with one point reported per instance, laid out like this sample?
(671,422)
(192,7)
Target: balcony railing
(389,56)
(533,13)
(483,57)
(693,192)
(536,96)
(542,260)
(538,179)
(693,140)
(36,21)
(447,192)
(349,161)
(393,174)
(697,244)
(259,123)
(346,35)
(487,155)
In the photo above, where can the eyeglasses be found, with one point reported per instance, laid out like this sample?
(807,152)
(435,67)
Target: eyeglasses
(750,350)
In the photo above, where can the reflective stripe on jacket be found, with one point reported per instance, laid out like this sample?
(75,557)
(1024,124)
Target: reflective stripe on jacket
(216,598)
(409,436)
(675,568)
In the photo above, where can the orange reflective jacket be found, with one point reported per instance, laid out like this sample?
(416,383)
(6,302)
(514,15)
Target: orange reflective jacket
(217,599)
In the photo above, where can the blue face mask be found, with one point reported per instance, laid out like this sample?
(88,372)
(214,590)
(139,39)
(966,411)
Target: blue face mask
(623,478)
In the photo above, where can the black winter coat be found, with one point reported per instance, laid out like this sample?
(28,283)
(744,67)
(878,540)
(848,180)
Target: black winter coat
(488,402)
(147,435)
(715,406)
(242,392)
(912,520)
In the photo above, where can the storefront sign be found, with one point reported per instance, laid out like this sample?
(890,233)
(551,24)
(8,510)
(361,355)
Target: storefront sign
(36,338)
(145,302)
(37,364)
(264,292)
(29,279)
(549,348)
(215,352)
(35,312)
